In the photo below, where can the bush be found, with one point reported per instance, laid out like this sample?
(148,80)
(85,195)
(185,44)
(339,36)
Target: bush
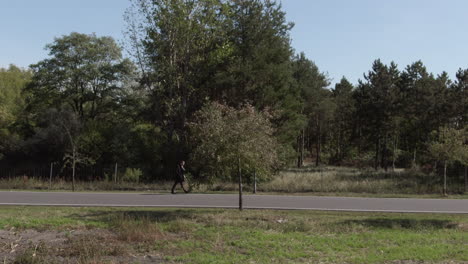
(132,175)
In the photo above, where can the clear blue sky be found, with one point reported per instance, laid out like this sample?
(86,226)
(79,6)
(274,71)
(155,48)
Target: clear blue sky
(343,37)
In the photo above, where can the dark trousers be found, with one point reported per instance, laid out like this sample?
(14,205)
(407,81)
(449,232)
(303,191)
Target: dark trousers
(181,185)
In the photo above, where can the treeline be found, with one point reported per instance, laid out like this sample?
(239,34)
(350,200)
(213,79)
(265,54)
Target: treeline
(86,105)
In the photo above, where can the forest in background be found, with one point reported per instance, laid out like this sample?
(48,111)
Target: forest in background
(218,84)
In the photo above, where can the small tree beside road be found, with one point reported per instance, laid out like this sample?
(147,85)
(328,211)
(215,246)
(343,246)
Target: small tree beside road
(222,135)
(228,141)
(462,154)
(449,147)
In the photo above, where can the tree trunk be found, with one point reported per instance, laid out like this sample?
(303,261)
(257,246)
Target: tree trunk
(359,139)
(317,158)
(395,150)
(115,173)
(383,157)
(298,142)
(50,175)
(466,178)
(255,182)
(414,158)
(239,172)
(302,148)
(73,170)
(338,145)
(445,178)
(308,138)
(377,150)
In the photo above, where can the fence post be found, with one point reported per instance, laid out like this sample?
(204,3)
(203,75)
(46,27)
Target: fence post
(50,176)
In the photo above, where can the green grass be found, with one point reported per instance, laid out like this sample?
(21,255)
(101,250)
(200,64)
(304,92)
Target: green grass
(256,236)
(20,217)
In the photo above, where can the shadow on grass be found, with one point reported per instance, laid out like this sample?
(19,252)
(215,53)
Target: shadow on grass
(157,216)
(403,223)
(160,216)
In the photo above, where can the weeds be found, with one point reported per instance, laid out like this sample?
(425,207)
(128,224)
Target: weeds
(349,180)
(34,254)
(131,229)
(93,248)
(335,180)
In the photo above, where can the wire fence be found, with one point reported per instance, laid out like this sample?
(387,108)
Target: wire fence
(405,182)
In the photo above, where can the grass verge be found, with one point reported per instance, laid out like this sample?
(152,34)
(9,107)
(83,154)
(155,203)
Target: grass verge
(127,235)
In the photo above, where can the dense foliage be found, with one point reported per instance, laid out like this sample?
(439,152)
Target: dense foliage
(226,139)
(203,75)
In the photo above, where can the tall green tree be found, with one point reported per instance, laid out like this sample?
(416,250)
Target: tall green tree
(12,81)
(193,52)
(378,103)
(425,107)
(178,45)
(317,106)
(343,119)
(86,72)
(87,75)
(259,70)
(178,40)
(12,102)
(459,98)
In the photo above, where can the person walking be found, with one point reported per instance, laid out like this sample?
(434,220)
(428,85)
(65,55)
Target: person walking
(179,177)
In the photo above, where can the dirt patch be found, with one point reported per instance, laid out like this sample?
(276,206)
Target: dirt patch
(14,243)
(463,227)
(72,246)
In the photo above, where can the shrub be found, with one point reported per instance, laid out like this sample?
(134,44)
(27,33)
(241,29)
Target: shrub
(132,175)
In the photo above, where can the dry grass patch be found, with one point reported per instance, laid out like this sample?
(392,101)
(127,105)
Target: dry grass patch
(141,230)
(338,180)
(33,254)
(180,226)
(93,246)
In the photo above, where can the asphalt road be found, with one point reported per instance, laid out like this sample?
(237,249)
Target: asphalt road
(406,205)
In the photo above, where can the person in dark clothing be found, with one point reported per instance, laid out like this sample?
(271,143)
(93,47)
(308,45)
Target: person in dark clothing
(179,177)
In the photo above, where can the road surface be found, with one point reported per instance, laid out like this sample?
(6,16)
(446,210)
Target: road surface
(405,205)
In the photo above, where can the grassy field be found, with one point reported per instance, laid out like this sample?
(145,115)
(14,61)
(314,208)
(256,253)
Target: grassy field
(357,182)
(336,181)
(127,235)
